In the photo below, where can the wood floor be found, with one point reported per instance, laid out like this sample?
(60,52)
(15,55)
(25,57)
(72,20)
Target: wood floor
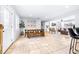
(50,44)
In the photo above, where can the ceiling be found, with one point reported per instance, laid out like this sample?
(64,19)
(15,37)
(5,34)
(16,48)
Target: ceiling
(43,11)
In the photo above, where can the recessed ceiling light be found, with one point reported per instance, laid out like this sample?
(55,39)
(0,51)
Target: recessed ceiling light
(30,15)
(66,6)
(46,17)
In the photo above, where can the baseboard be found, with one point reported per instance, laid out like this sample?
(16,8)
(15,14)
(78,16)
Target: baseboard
(10,46)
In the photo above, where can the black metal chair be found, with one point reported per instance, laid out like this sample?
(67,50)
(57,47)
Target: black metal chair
(74,39)
(77,30)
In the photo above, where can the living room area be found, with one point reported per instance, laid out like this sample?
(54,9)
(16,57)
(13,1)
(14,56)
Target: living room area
(37,29)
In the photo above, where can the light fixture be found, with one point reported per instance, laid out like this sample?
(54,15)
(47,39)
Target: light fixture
(46,17)
(30,15)
(66,6)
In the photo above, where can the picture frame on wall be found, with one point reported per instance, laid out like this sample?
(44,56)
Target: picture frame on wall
(53,24)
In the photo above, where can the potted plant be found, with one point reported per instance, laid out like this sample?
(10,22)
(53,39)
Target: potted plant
(22,25)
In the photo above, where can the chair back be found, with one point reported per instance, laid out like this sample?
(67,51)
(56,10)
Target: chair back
(77,30)
(71,32)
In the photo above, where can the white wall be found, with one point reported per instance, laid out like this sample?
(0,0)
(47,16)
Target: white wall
(69,17)
(32,24)
(75,17)
(0,15)
(77,20)
(10,21)
(1,21)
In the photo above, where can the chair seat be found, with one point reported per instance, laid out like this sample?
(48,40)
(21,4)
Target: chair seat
(76,37)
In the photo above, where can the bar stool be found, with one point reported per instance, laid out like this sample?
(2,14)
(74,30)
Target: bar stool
(74,39)
(77,30)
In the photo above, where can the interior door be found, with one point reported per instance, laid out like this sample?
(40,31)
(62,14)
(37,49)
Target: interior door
(0,41)
(1,37)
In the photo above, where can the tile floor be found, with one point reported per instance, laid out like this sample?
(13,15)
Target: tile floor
(50,44)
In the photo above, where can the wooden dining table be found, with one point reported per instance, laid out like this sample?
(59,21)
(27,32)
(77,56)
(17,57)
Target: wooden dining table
(34,33)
